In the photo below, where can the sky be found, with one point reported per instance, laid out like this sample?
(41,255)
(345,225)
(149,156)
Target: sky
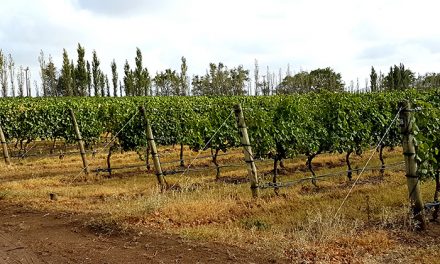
(348,36)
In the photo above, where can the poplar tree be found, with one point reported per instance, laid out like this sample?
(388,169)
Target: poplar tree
(66,75)
(128,80)
(139,81)
(107,85)
(73,78)
(3,74)
(102,83)
(81,73)
(373,80)
(257,78)
(20,82)
(11,68)
(96,73)
(184,78)
(146,82)
(89,79)
(114,78)
(51,78)
(42,62)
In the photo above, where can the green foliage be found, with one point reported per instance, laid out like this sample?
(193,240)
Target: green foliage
(279,126)
(317,80)
(399,78)
(373,80)
(80,73)
(96,73)
(219,80)
(428,136)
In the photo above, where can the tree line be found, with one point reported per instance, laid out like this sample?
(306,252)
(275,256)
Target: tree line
(86,78)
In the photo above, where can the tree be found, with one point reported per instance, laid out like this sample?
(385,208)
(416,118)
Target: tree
(11,68)
(221,81)
(95,73)
(66,76)
(298,83)
(50,73)
(167,83)
(42,62)
(107,85)
(184,83)
(20,82)
(73,82)
(373,80)
(140,75)
(128,80)
(114,78)
(3,74)
(326,79)
(399,78)
(102,83)
(81,73)
(89,79)
(28,82)
(146,82)
(257,78)
(239,76)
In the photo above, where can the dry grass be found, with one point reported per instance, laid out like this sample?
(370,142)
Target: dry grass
(299,224)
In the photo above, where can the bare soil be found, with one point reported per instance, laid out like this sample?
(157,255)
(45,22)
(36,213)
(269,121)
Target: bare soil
(29,236)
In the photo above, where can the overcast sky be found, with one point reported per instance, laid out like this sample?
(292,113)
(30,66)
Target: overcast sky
(349,36)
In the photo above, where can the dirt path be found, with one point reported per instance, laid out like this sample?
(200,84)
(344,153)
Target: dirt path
(28,236)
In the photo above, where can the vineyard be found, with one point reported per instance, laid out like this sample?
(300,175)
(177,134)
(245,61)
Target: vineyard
(279,127)
(287,135)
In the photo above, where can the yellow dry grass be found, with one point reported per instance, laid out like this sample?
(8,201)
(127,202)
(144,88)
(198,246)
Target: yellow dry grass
(298,224)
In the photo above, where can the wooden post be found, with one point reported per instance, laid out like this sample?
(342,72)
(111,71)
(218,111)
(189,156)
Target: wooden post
(407,123)
(80,142)
(152,146)
(5,147)
(247,150)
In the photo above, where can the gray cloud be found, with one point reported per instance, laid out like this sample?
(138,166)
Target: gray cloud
(122,7)
(378,52)
(432,45)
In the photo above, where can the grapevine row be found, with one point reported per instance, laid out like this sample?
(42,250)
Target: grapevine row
(279,126)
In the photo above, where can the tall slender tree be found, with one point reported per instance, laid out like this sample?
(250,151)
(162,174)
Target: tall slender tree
(3,74)
(81,73)
(128,80)
(20,81)
(147,82)
(11,68)
(139,75)
(114,78)
(107,86)
(42,62)
(102,83)
(373,80)
(51,77)
(257,78)
(66,76)
(73,78)
(96,73)
(184,83)
(89,79)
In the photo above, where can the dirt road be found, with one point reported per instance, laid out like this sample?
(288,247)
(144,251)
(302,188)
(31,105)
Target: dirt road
(29,236)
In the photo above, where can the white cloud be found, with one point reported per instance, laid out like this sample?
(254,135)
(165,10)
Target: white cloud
(349,36)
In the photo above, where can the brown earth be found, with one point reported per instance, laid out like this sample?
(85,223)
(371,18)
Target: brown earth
(29,236)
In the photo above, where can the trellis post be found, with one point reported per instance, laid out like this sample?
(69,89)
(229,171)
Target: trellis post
(5,147)
(152,145)
(407,123)
(247,150)
(80,141)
